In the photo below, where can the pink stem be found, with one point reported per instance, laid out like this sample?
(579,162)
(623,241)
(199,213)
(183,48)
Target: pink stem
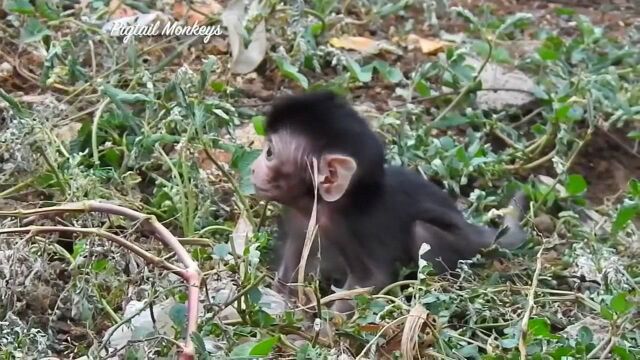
(191,273)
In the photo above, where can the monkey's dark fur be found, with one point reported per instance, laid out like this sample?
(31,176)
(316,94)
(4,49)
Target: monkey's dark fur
(386,213)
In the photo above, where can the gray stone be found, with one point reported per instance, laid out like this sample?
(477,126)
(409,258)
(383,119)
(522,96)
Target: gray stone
(520,87)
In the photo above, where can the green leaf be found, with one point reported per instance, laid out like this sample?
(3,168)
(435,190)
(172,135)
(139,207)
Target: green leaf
(78,248)
(568,113)
(113,157)
(469,351)
(264,320)
(317,28)
(481,48)
(539,129)
(45,180)
(251,349)
(501,55)
(264,347)
(579,55)
(363,74)
(467,15)
(585,335)
(512,21)
(241,162)
(390,73)
(624,215)
(422,88)
(509,343)
(123,96)
(221,250)
(178,315)
(159,139)
(23,7)
(100,265)
(562,11)
(562,112)
(620,304)
(200,255)
(242,351)
(218,86)
(450,120)
(576,184)
(634,188)
(45,10)
(305,352)
(447,143)
(205,72)
(391,8)
(33,31)
(606,313)
(635,135)
(540,93)
(291,72)
(475,86)
(551,48)
(254,295)
(562,352)
(622,353)
(15,105)
(548,54)
(201,349)
(539,327)
(138,5)
(259,124)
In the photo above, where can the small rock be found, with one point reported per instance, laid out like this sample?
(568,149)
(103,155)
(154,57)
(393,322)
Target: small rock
(544,224)
(6,69)
(497,77)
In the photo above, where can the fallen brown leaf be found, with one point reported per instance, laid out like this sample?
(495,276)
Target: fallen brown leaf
(427,46)
(358,43)
(242,232)
(374,328)
(118,10)
(243,59)
(205,163)
(202,8)
(254,87)
(217,46)
(67,132)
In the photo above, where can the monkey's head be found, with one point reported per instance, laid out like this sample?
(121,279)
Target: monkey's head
(323,127)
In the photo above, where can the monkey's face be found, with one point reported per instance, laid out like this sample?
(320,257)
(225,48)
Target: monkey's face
(284,171)
(280,173)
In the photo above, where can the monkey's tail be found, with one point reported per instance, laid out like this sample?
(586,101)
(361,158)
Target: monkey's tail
(515,234)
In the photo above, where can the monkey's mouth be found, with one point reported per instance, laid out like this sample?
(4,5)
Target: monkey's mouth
(262,192)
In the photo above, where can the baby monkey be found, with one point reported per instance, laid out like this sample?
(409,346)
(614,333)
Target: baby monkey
(372,219)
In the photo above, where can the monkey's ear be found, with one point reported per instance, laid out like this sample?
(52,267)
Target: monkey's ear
(336,172)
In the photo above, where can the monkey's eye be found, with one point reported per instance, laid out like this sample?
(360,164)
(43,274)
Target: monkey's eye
(269,152)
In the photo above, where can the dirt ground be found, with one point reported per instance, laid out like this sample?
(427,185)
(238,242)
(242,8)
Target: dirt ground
(610,159)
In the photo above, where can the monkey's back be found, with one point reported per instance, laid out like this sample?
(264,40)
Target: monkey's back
(383,225)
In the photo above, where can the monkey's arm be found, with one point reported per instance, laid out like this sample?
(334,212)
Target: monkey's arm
(324,264)
(290,241)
